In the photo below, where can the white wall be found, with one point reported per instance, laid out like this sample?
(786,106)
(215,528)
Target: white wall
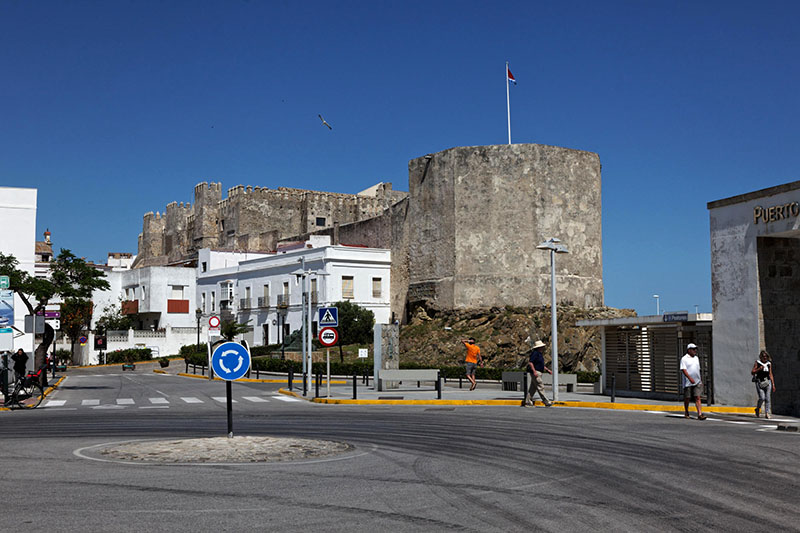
(734,287)
(18,238)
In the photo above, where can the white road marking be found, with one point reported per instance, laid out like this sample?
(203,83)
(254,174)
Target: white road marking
(125,401)
(55,403)
(109,407)
(90,402)
(159,400)
(222,399)
(286,399)
(191,400)
(254,399)
(154,407)
(739,422)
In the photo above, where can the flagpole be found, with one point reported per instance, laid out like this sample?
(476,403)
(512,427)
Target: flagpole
(508,105)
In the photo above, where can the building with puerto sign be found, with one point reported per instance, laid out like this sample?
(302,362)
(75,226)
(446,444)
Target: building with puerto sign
(755,283)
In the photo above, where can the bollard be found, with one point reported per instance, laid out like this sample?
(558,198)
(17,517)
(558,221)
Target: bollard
(355,385)
(459,382)
(613,387)
(305,385)
(525,388)
(319,378)
(438,388)
(291,377)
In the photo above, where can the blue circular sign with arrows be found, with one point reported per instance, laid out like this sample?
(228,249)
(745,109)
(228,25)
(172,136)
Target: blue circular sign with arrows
(230,361)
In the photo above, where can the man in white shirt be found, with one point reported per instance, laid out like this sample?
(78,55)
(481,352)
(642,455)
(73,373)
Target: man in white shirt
(692,384)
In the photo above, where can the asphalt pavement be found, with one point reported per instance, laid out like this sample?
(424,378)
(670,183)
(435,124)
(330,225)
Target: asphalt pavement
(410,467)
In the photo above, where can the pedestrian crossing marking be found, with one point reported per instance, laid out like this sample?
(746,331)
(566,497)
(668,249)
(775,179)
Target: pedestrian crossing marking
(125,401)
(286,398)
(55,403)
(255,399)
(90,402)
(222,399)
(159,400)
(191,400)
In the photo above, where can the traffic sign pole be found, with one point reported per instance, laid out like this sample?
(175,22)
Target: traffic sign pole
(328,353)
(230,408)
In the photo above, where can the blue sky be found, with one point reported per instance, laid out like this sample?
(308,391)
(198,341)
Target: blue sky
(112,109)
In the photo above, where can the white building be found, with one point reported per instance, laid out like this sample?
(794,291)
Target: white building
(264,292)
(17,238)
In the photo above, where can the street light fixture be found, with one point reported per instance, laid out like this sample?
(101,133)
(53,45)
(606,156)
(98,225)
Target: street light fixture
(553,245)
(658,303)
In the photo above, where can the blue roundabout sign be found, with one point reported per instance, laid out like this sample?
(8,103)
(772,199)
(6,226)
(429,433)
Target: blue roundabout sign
(230,361)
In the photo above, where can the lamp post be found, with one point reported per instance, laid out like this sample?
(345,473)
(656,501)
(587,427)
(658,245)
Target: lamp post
(303,274)
(198,313)
(553,245)
(658,303)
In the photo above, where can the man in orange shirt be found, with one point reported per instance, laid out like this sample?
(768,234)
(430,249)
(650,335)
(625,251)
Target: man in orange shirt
(472,361)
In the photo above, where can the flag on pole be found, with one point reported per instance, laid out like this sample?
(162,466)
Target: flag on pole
(510,76)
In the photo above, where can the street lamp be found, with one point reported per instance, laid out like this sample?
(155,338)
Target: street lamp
(198,313)
(302,273)
(658,303)
(553,245)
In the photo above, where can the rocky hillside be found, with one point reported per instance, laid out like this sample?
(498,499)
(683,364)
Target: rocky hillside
(503,333)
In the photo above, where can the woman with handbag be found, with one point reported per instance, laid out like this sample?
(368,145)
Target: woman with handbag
(765,383)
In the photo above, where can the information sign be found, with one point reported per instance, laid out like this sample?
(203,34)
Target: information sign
(328,317)
(4,282)
(230,361)
(363,353)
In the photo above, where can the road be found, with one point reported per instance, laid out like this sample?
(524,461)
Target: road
(413,468)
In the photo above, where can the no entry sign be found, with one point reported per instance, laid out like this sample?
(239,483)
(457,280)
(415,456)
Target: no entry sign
(328,336)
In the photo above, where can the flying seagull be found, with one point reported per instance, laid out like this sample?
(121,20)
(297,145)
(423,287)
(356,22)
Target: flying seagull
(324,123)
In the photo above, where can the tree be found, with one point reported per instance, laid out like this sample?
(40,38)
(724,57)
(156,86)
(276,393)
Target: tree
(76,317)
(230,328)
(112,319)
(70,277)
(355,325)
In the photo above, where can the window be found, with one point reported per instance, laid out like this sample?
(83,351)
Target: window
(144,292)
(320,221)
(213,301)
(203,302)
(314,291)
(177,292)
(247,293)
(205,266)
(376,287)
(347,287)
(286,288)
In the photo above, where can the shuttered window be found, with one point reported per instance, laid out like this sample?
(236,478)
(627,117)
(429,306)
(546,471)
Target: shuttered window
(347,287)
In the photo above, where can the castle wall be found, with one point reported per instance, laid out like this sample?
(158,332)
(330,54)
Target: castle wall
(478,213)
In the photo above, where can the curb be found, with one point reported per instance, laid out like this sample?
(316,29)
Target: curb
(246,380)
(49,390)
(517,403)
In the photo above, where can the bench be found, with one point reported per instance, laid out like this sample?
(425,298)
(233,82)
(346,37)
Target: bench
(513,380)
(418,375)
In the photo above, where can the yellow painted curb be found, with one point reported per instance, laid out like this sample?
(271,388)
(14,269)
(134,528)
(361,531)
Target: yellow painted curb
(159,371)
(517,403)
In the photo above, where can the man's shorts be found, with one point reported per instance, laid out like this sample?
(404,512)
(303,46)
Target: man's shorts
(694,391)
(471,368)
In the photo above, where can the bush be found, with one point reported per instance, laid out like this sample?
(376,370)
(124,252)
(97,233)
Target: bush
(63,357)
(588,377)
(196,359)
(189,349)
(129,355)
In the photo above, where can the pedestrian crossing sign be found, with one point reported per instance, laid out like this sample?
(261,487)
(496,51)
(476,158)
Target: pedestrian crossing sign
(328,317)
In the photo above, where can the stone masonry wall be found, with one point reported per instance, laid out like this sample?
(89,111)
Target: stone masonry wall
(478,213)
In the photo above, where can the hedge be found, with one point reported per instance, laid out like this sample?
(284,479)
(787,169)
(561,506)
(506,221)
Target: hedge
(129,355)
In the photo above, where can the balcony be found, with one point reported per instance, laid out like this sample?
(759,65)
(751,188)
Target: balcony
(245,303)
(129,307)
(177,306)
(283,301)
(263,302)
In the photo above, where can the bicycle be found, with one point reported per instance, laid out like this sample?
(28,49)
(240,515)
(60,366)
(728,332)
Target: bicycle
(28,392)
